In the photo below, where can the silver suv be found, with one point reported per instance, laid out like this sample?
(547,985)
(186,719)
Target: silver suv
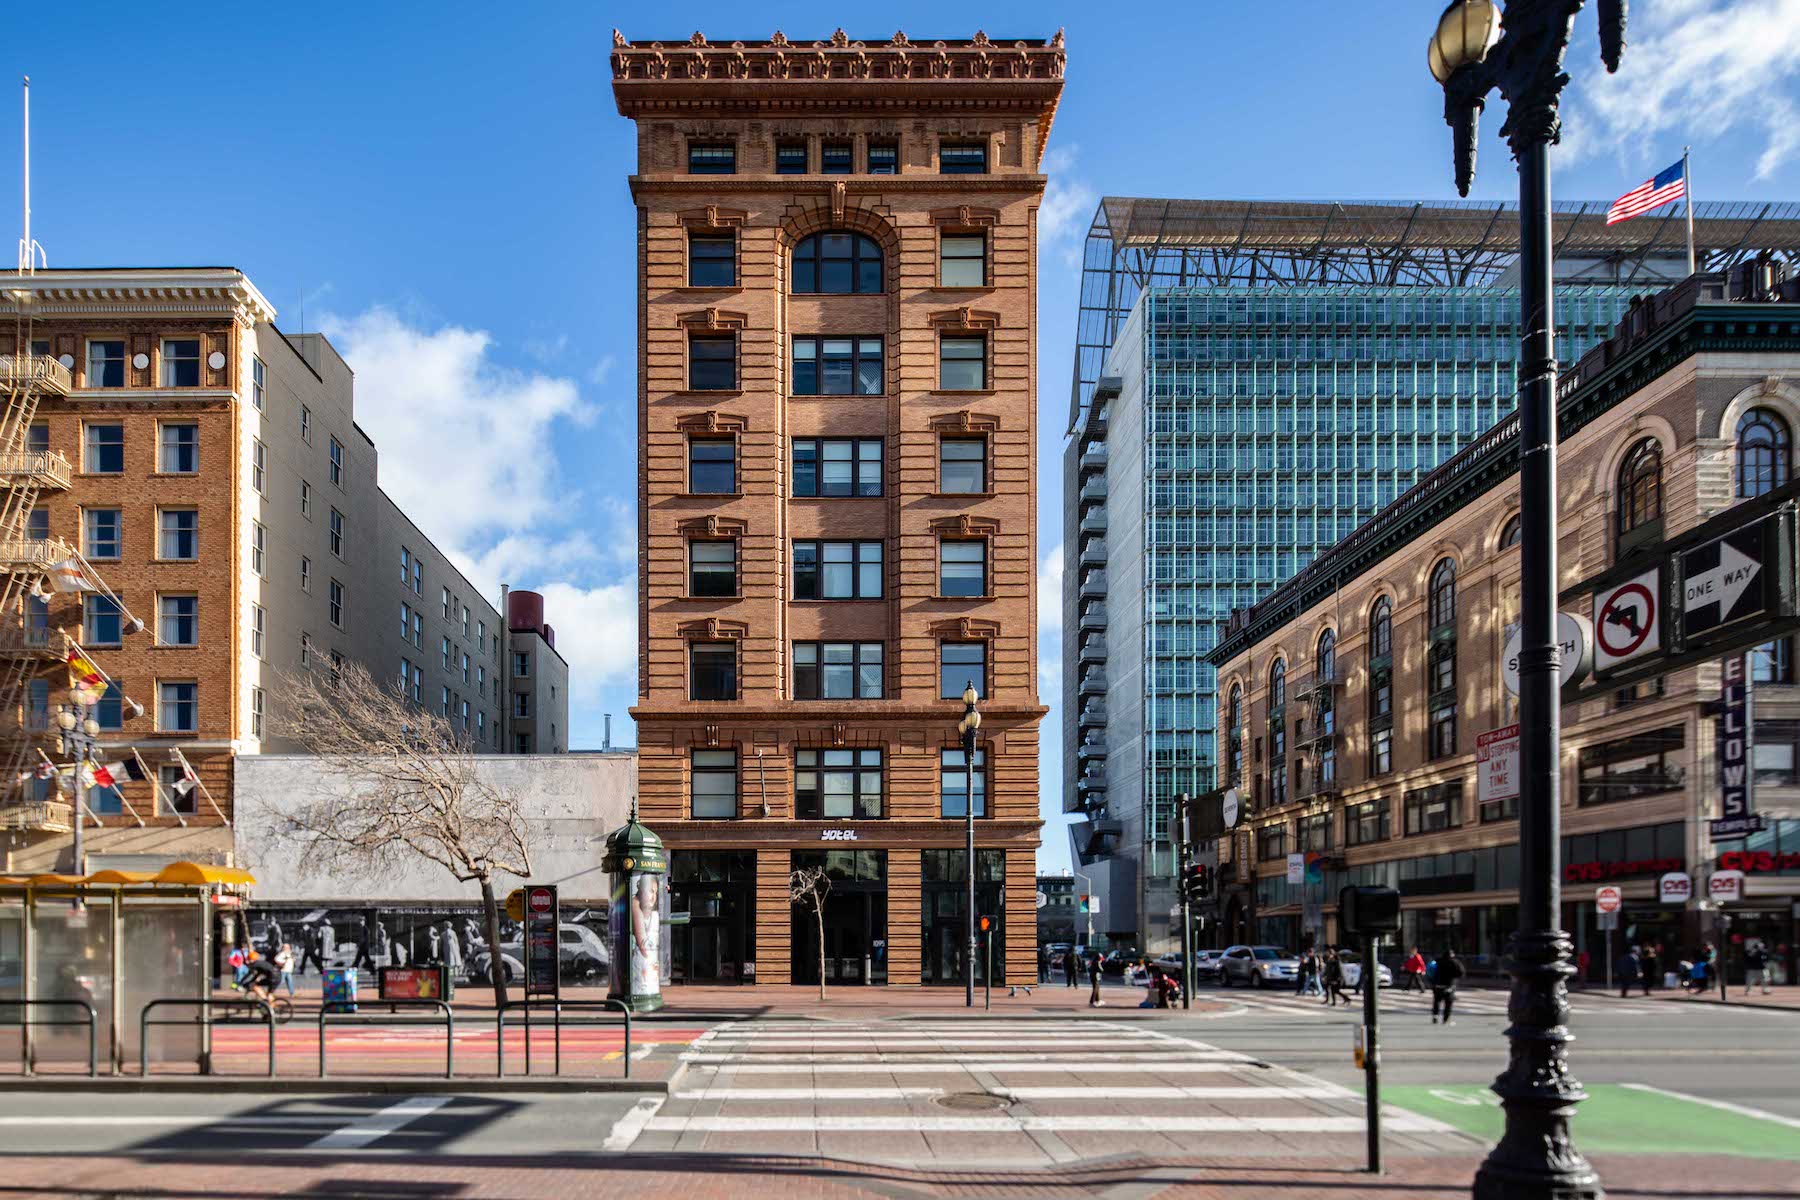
(1258,966)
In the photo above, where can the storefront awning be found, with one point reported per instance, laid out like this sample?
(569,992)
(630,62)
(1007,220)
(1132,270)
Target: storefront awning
(177,874)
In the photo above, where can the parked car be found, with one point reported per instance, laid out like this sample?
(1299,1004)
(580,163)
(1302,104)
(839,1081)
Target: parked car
(1206,964)
(1057,953)
(1258,966)
(1120,961)
(582,954)
(1353,970)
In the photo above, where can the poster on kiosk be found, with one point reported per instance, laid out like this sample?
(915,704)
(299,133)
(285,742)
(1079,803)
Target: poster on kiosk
(638,865)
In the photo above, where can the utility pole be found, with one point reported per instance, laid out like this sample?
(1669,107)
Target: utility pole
(969,726)
(1187,916)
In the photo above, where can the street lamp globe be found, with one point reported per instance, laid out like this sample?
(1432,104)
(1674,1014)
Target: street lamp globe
(1465,33)
(969,696)
(91,727)
(66,719)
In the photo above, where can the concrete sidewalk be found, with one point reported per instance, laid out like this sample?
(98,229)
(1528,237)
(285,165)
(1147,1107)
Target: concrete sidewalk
(1783,996)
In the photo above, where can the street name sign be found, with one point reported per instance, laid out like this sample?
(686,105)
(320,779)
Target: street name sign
(1628,620)
(1575,637)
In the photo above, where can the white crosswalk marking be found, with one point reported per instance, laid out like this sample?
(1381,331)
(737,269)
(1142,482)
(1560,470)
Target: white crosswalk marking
(1031,1092)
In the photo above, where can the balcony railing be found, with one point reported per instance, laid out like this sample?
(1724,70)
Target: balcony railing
(40,371)
(1317,783)
(1094,458)
(1318,686)
(1094,521)
(1093,683)
(1093,615)
(1093,583)
(1091,746)
(1094,489)
(1093,553)
(33,642)
(1093,650)
(46,467)
(1093,713)
(38,816)
(34,552)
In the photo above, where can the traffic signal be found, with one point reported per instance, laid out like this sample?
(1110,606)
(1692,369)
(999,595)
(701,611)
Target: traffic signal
(1196,881)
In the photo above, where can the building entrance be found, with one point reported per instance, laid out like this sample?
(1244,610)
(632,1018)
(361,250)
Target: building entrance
(714,892)
(944,914)
(855,919)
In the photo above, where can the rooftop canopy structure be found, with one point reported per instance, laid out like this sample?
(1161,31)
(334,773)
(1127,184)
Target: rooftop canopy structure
(1136,244)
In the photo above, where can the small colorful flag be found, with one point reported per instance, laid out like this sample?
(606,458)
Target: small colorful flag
(113,774)
(70,575)
(85,678)
(1666,187)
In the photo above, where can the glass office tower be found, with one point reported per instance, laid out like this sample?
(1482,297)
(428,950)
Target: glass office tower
(1252,382)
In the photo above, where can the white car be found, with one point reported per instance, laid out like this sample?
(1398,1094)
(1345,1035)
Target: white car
(1353,970)
(1258,966)
(1206,963)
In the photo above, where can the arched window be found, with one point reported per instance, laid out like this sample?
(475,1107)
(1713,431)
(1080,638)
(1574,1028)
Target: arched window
(1443,594)
(1235,733)
(1326,655)
(1640,488)
(836,264)
(1278,685)
(1764,453)
(1381,629)
(1235,718)
(1278,775)
(1511,532)
(1325,711)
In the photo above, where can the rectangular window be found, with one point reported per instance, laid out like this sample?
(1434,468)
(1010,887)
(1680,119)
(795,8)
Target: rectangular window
(1313,833)
(37,440)
(337,533)
(712,158)
(712,569)
(418,684)
(837,785)
(445,654)
(106,364)
(305,573)
(259,631)
(178,620)
(962,158)
(1429,810)
(962,568)
(847,366)
(712,260)
(884,158)
(963,260)
(179,795)
(521,665)
(1644,764)
(448,604)
(838,670)
(962,364)
(1366,823)
(259,384)
(715,785)
(837,466)
(1442,742)
(712,466)
(181,534)
(110,712)
(959,785)
(306,424)
(103,531)
(336,603)
(465,666)
(37,525)
(105,449)
(962,466)
(1381,751)
(837,570)
(1271,842)
(177,708)
(337,462)
(102,623)
(521,704)
(960,666)
(712,670)
(790,158)
(181,362)
(181,451)
(712,362)
(256,711)
(444,702)
(836,158)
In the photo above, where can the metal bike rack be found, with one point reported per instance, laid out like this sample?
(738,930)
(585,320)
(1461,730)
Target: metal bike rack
(344,1017)
(26,1026)
(556,1007)
(204,1019)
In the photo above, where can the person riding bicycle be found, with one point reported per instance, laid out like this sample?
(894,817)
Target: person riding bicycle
(261,977)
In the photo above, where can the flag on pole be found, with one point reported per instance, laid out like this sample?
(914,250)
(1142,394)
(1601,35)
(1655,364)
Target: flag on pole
(71,575)
(1668,186)
(85,678)
(113,774)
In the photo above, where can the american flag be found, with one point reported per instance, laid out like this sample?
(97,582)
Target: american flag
(1668,186)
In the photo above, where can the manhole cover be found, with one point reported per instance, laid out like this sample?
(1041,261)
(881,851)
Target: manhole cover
(971,1101)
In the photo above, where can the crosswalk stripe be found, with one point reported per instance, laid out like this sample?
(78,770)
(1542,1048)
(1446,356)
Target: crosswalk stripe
(1324,1091)
(932,1043)
(1394,1122)
(998,1066)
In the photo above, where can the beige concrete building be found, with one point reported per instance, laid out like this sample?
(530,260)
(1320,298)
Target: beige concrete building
(1357,698)
(223,491)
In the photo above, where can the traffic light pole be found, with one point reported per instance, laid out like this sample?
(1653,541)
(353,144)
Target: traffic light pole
(1187,917)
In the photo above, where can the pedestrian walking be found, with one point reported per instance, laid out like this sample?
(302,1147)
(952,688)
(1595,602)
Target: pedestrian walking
(284,962)
(1043,964)
(1756,967)
(1443,985)
(1071,966)
(309,938)
(274,937)
(1094,1000)
(1309,973)
(1628,969)
(1414,970)
(1334,978)
(453,959)
(240,962)
(1651,965)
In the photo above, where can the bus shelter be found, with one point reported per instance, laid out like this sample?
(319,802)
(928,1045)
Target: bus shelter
(114,940)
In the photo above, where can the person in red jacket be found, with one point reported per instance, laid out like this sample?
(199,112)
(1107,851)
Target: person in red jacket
(1414,970)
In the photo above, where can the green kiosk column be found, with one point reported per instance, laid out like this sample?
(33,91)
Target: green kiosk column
(638,865)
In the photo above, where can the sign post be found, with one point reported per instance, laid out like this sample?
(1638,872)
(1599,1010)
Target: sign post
(1606,903)
(543,967)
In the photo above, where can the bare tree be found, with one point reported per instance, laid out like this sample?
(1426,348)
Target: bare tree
(810,885)
(410,788)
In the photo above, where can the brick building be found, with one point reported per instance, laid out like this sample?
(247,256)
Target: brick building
(223,491)
(837,381)
(1354,698)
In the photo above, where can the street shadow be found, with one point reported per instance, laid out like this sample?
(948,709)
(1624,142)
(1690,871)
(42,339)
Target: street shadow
(299,1122)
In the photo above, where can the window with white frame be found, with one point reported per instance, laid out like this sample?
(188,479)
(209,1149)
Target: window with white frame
(180,453)
(259,468)
(256,713)
(181,534)
(305,573)
(306,499)
(336,603)
(336,538)
(259,633)
(259,384)
(181,362)
(337,462)
(714,785)
(259,549)
(306,424)
(102,621)
(102,531)
(178,620)
(105,363)
(178,707)
(104,442)
(444,652)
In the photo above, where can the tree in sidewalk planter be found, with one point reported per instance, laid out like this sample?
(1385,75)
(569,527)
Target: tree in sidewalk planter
(408,787)
(810,885)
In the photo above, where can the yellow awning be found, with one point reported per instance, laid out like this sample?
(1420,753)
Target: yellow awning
(184,874)
(197,874)
(115,876)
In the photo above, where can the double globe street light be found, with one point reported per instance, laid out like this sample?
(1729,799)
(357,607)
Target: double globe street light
(968,727)
(1478,48)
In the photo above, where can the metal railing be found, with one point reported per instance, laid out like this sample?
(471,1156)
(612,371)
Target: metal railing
(34,370)
(203,1021)
(26,1026)
(556,1007)
(39,464)
(340,1012)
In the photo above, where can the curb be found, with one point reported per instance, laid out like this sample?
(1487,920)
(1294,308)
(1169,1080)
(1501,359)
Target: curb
(238,1084)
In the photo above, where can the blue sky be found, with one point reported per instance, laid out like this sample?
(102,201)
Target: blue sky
(442,189)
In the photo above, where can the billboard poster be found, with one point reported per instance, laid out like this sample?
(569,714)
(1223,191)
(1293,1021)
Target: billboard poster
(638,899)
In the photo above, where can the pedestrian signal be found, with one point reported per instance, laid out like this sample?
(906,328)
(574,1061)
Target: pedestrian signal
(1196,881)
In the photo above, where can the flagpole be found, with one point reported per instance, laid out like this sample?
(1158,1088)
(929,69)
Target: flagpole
(1687,180)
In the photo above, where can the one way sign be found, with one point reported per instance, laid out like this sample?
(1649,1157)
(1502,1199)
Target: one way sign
(1723,581)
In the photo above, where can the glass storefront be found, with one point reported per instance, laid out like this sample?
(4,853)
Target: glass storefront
(854,920)
(716,889)
(943,913)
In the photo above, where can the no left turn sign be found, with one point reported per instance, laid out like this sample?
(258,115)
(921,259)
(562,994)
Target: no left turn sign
(1628,620)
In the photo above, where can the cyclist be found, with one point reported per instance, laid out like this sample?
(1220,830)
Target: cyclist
(261,978)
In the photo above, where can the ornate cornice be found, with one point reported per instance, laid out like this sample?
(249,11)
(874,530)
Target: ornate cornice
(966,629)
(160,291)
(964,421)
(964,525)
(712,318)
(712,217)
(712,421)
(713,629)
(979,58)
(965,318)
(712,525)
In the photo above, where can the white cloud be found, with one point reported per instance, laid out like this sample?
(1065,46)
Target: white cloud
(1692,69)
(1067,207)
(431,398)
(1049,624)
(602,370)
(597,631)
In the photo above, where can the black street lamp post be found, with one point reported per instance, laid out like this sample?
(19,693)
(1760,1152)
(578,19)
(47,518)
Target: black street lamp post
(1475,50)
(77,731)
(968,727)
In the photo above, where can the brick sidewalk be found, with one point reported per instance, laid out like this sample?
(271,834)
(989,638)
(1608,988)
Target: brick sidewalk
(1784,996)
(701,1177)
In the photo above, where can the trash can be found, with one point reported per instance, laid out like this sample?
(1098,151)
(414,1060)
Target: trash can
(340,989)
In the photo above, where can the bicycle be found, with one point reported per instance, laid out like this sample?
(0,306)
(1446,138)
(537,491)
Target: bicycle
(281,1006)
